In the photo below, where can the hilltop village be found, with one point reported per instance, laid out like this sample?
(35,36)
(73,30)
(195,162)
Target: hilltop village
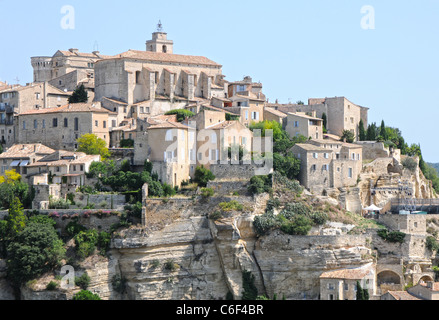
(164,181)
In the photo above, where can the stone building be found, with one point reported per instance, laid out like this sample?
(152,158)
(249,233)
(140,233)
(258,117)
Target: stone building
(342,284)
(17,99)
(67,69)
(157,79)
(61,167)
(328,164)
(271,114)
(59,128)
(306,125)
(19,156)
(341,113)
(425,291)
(247,100)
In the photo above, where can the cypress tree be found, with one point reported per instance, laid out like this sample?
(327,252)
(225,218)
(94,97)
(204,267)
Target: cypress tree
(79,95)
(362,131)
(325,122)
(383,132)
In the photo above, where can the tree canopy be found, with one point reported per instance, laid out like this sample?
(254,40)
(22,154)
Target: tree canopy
(79,95)
(93,145)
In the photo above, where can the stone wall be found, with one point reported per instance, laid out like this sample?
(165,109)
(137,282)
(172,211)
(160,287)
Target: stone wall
(234,171)
(411,223)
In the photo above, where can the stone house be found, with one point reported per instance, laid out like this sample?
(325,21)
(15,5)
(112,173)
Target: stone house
(62,167)
(341,113)
(17,99)
(328,164)
(20,156)
(59,128)
(315,166)
(342,284)
(271,114)
(306,125)
(247,100)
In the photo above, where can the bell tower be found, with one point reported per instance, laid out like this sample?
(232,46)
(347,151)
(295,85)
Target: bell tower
(160,42)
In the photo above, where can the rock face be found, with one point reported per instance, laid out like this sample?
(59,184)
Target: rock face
(385,175)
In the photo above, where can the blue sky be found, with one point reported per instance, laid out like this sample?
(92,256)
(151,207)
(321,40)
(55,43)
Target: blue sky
(297,49)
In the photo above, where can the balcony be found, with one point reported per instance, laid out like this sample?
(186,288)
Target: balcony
(9,109)
(6,122)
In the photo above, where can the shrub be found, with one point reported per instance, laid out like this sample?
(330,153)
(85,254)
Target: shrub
(155,264)
(394,236)
(104,241)
(260,184)
(170,265)
(181,114)
(86,242)
(298,225)
(410,164)
(83,281)
(231,206)
(432,244)
(119,283)
(265,223)
(207,192)
(52,285)
(86,295)
(73,228)
(168,191)
(215,215)
(203,176)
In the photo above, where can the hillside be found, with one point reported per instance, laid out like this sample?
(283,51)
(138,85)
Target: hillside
(435,166)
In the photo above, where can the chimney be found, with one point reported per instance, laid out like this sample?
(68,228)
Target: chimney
(314,114)
(96,53)
(72,50)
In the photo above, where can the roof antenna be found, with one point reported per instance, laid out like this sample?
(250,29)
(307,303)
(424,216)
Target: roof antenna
(96,46)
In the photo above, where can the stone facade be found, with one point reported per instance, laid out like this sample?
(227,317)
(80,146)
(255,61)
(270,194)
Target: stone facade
(18,99)
(305,125)
(59,128)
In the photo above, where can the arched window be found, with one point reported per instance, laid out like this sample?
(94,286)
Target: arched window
(164,49)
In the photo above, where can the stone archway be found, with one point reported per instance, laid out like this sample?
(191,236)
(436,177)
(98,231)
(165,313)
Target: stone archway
(388,277)
(426,278)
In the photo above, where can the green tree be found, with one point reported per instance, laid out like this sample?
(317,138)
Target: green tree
(86,295)
(79,95)
(250,291)
(362,131)
(34,251)
(371,134)
(383,131)
(16,218)
(182,114)
(203,176)
(325,122)
(347,135)
(93,145)
(288,166)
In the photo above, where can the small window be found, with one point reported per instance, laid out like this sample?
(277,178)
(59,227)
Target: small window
(35,124)
(325,167)
(296,124)
(55,122)
(104,124)
(315,155)
(350,173)
(66,122)
(313,167)
(96,123)
(138,77)
(24,125)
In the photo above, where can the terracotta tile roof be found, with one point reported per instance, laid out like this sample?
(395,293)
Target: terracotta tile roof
(305,116)
(161,118)
(166,57)
(352,274)
(74,107)
(311,147)
(276,112)
(116,101)
(168,125)
(25,150)
(221,125)
(84,55)
(219,109)
(402,295)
